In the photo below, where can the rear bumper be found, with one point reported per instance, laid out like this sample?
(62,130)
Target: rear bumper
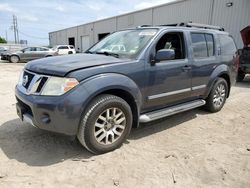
(59,114)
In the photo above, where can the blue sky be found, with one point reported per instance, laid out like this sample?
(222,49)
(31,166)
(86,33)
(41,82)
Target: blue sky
(37,18)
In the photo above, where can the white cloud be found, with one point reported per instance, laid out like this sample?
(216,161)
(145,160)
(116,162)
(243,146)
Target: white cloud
(94,7)
(60,8)
(30,18)
(101,17)
(147,4)
(6,7)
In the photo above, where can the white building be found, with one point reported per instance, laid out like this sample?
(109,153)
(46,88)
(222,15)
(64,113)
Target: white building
(232,15)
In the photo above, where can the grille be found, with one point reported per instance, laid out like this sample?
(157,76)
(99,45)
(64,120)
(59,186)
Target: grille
(27,78)
(33,83)
(41,84)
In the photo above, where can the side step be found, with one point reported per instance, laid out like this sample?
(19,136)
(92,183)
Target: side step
(151,116)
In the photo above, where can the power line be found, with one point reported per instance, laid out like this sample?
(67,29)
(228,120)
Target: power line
(30,36)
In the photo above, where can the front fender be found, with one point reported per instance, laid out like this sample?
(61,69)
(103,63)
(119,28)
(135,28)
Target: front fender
(107,81)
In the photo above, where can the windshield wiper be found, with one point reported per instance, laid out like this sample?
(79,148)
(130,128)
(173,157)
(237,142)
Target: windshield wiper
(108,54)
(88,52)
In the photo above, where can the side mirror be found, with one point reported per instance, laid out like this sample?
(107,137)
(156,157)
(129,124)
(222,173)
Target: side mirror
(164,54)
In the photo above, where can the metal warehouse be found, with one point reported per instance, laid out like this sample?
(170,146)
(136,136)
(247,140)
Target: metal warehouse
(232,15)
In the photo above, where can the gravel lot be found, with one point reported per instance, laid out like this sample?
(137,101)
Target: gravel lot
(191,149)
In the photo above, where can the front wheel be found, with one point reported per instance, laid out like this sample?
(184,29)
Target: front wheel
(217,96)
(14,59)
(105,124)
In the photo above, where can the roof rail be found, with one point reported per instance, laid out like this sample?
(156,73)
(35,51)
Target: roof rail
(189,24)
(198,25)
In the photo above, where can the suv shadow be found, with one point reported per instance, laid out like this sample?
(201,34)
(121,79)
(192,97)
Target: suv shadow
(37,147)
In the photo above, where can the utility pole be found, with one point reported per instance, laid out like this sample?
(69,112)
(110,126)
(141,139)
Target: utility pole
(6,36)
(15,29)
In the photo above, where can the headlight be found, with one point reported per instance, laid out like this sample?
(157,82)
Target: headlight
(57,86)
(20,80)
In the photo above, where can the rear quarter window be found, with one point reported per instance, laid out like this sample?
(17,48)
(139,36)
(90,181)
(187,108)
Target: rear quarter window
(228,46)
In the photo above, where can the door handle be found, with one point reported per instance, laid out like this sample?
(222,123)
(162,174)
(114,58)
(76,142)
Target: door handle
(186,68)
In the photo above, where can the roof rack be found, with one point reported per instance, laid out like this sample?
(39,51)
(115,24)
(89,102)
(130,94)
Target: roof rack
(190,24)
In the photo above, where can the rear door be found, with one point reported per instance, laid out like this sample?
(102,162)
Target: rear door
(41,52)
(204,60)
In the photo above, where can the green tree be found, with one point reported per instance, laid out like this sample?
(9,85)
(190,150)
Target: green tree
(2,40)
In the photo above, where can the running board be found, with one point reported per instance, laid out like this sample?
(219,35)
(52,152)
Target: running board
(151,116)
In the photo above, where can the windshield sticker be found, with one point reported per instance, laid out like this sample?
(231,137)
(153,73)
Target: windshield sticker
(147,33)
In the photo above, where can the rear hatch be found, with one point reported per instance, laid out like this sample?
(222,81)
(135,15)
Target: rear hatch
(245,35)
(245,52)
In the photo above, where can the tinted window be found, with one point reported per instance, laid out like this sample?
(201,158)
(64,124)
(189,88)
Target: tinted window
(63,47)
(210,44)
(227,45)
(199,45)
(42,49)
(29,49)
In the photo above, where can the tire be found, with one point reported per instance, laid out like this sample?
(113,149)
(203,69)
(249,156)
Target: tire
(14,59)
(100,134)
(217,96)
(240,76)
(70,52)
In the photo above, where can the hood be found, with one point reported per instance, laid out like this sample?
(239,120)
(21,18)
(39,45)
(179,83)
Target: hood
(245,35)
(61,65)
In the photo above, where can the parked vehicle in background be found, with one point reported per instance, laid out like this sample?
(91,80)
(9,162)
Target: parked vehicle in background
(64,49)
(100,95)
(244,67)
(30,53)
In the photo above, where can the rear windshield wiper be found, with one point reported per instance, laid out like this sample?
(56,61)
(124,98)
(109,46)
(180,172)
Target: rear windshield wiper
(108,54)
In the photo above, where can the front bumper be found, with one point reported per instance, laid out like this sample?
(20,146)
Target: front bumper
(59,114)
(4,57)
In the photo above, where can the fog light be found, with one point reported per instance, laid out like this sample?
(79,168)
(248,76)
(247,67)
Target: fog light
(45,119)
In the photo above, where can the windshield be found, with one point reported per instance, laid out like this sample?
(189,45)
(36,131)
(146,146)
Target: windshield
(124,44)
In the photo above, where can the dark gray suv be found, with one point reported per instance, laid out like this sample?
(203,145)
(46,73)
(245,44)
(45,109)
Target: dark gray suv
(131,76)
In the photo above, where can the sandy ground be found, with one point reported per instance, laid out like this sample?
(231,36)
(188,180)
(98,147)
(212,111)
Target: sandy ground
(192,149)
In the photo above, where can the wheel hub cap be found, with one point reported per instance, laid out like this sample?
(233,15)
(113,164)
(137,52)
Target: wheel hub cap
(109,126)
(219,95)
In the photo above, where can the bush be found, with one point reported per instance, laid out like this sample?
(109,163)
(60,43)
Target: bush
(2,40)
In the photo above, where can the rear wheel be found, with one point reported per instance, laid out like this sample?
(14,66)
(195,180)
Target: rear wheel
(106,124)
(217,96)
(14,59)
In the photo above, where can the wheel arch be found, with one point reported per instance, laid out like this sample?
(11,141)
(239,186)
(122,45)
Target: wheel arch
(220,72)
(118,85)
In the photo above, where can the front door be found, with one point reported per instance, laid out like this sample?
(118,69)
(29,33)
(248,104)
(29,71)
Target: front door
(168,81)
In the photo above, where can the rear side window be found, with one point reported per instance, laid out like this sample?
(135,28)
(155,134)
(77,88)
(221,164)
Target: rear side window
(63,47)
(227,45)
(199,45)
(203,45)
